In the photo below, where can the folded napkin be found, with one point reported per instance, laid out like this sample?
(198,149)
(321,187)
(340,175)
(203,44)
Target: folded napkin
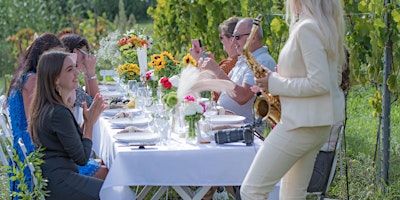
(130,129)
(122,115)
(112,106)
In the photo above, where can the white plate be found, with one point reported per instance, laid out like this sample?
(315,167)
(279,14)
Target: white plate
(226,119)
(112,112)
(121,122)
(110,94)
(137,137)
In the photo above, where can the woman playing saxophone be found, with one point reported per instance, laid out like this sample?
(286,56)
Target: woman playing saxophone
(307,83)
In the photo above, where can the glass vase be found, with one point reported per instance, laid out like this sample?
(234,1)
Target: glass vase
(192,132)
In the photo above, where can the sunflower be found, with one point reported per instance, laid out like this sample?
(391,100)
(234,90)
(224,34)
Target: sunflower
(188,59)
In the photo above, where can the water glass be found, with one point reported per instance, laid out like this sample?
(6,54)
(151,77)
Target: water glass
(161,122)
(132,88)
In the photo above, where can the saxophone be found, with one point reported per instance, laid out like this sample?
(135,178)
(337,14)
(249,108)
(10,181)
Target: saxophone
(266,105)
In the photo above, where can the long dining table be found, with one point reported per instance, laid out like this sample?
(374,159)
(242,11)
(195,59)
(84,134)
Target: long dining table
(176,164)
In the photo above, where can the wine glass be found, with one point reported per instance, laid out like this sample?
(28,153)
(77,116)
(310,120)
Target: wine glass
(132,88)
(161,122)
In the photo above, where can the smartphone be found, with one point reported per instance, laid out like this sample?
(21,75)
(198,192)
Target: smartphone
(196,45)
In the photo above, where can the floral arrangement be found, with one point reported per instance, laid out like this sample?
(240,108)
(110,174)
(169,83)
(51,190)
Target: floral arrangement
(168,88)
(164,64)
(151,81)
(129,43)
(108,54)
(192,112)
(128,71)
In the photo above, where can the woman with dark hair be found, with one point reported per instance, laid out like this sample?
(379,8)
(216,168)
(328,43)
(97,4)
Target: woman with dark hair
(86,63)
(53,126)
(20,96)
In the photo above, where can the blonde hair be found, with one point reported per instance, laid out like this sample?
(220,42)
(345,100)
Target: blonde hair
(329,16)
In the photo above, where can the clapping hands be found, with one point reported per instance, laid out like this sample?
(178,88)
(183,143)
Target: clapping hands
(90,115)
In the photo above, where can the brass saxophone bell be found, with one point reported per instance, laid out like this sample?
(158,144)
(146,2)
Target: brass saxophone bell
(267,109)
(261,107)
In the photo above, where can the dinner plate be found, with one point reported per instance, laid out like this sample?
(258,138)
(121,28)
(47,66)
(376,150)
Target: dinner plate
(137,137)
(123,122)
(113,112)
(226,119)
(110,94)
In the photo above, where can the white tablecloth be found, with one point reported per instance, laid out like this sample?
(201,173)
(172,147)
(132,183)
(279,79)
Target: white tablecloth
(178,164)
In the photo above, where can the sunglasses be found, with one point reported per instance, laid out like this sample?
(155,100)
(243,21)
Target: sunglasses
(237,36)
(83,51)
(221,37)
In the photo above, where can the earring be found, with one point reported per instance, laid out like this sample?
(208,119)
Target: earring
(58,90)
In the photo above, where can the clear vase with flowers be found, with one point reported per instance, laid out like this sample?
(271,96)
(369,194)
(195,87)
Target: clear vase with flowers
(192,112)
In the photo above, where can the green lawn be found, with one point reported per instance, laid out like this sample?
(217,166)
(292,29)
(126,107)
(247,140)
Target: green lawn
(360,138)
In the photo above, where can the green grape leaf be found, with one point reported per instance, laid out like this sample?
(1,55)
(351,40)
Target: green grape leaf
(363,7)
(396,16)
(276,25)
(392,83)
(379,23)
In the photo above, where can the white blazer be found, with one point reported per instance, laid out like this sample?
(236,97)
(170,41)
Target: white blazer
(306,82)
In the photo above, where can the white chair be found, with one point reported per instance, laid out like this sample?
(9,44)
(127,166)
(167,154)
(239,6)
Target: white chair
(3,149)
(4,119)
(27,162)
(327,177)
(104,73)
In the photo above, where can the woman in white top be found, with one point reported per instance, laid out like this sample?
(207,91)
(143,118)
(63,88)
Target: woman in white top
(307,82)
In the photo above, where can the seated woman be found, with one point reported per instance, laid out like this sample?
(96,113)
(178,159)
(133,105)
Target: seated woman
(53,127)
(19,97)
(86,64)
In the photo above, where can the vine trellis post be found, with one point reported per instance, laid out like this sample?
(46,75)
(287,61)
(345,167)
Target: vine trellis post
(386,101)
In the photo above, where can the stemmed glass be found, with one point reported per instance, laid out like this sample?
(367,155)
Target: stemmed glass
(132,88)
(161,122)
(117,79)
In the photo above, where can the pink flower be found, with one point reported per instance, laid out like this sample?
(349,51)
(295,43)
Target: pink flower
(148,75)
(204,106)
(189,98)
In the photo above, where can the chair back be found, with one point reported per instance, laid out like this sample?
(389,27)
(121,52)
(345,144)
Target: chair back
(3,149)
(106,73)
(335,158)
(4,119)
(325,165)
(27,162)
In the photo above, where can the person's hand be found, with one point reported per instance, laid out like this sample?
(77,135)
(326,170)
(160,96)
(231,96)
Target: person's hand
(209,64)
(90,64)
(92,114)
(262,83)
(255,89)
(197,53)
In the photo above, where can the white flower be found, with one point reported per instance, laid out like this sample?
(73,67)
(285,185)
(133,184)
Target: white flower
(192,108)
(153,77)
(174,80)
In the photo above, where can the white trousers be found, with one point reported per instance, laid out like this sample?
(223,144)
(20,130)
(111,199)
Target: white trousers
(285,153)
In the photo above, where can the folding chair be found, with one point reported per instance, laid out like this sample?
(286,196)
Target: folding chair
(104,73)
(325,168)
(3,149)
(27,162)
(4,120)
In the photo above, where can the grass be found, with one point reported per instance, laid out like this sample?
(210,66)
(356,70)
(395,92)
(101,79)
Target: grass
(361,130)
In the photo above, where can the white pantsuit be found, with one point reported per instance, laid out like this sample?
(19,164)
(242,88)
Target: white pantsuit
(307,83)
